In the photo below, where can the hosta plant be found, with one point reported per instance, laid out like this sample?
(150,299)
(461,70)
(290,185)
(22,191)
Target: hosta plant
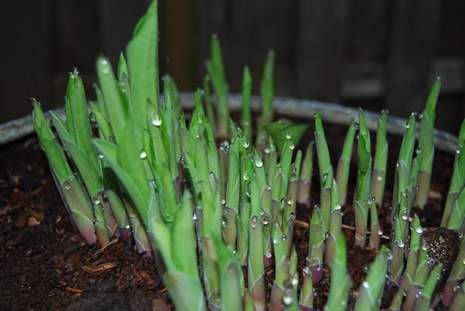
(214,199)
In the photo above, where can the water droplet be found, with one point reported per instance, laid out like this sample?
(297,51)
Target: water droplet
(463,261)
(105,65)
(245,176)
(245,144)
(380,232)
(101,156)
(275,241)
(288,136)
(265,220)
(405,217)
(253,222)
(306,270)
(267,150)
(258,163)
(194,216)
(366,285)
(157,121)
(338,207)
(284,237)
(287,300)
(223,202)
(67,186)
(97,202)
(325,176)
(400,244)
(268,255)
(419,230)
(292,146)
(289,202)
(457,151)
(294,281)
(143,155)
(379,178)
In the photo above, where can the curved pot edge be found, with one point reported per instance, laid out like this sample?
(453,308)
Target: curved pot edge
(290,107)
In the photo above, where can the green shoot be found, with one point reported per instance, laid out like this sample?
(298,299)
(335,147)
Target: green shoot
(306,177)
(378,179)
(343,166)
(370,292)
(216,71)
(246,115)
(362,191)
(267,94)
(426,145)
(340,279)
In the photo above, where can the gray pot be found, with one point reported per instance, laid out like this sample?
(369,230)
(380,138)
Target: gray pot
(287,107)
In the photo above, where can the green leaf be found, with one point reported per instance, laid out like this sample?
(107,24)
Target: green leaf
(142,55)
(283,132)
(267,88)
(340,279)
(246,115)
(89,170)
(130,157)
(77,114)
(322,150)
(109,151)
(115,105)
(231,278)
(426,143)
(184,252)
(371,290)
(55,155)
(185,290)
(216,72)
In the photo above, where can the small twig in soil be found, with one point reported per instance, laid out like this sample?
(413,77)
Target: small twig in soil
(101,250)
(100,268)
(74,290)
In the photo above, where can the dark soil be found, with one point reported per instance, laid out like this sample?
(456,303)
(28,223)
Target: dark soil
(45,264)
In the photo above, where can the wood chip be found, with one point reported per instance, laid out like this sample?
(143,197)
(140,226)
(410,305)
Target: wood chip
(147,278)
(32,221)
(100,268)
(74,290)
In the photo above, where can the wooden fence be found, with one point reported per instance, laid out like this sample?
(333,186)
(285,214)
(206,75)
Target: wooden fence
(370,53)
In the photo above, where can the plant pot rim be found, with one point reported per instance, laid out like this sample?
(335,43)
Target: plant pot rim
(16,129)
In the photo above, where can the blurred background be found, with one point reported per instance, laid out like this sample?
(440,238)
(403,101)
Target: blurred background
(376,54)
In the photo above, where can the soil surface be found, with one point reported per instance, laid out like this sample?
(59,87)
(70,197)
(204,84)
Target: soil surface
(45,264)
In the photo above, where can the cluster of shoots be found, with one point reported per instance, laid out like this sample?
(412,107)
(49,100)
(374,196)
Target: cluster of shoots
(214,201)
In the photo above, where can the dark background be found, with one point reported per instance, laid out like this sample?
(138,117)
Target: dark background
(370,53)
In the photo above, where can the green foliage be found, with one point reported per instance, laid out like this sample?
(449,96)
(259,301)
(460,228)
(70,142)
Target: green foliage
(193,189)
